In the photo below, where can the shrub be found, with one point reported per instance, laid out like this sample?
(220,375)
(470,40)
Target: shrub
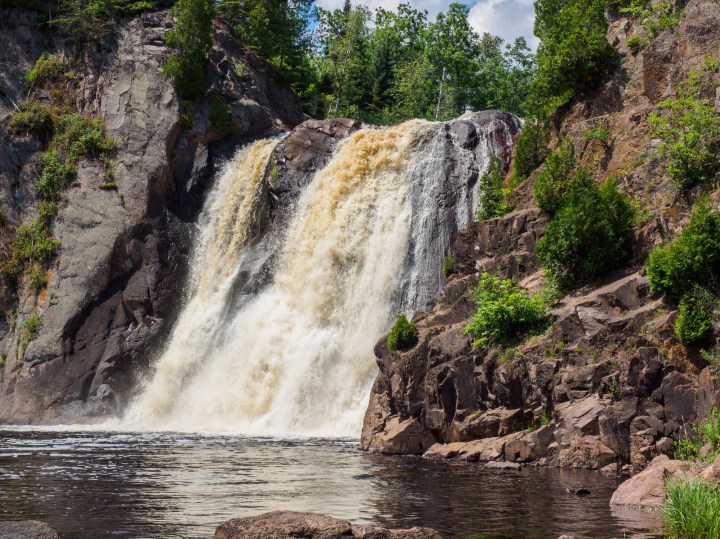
(193,39)
(574,53)
(552,183)
(655,17)
(29,331)
(692,259)
(634,43)
(47,67)
(33,118)
(403,335)
(702,441)
(695,319)
(448,265)
(505,313)
(492,195)
(589,235)
(599,134)
(531,148)
(689,129)
(220,121)
(691,510)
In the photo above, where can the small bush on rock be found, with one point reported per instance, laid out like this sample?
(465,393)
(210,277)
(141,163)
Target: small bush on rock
(589,235)
(220,121)
(531,148)
(691,510)
(692,259)
(695,319)
(47,67)
(448,265)
(505,313)
(493,196)
(33,118)
(702,441)
(552,183)
(403,335)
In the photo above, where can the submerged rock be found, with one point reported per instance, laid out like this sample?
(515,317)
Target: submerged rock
(26,529)
(287,524)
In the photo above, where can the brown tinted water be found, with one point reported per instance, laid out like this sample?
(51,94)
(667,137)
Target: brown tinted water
(103,484)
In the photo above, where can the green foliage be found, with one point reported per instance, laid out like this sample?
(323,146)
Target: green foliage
(599,134)
(89,20)
(403,335)
(654,17)
(47,67)
(493,196)
(448,265)
(695,319)
(192,38)
(531,148)
(693,259)
(505,313)
(702,440)
(33,118)
(689,129)
(552,183)
(615,389)
(691,510)
(29,331)
(574,54)
(589,235)
(69,137)
(712,357)
(634,43)
(220,121)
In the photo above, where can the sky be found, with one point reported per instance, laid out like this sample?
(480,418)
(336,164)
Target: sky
(505,18)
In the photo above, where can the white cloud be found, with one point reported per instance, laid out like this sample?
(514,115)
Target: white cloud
(505,18)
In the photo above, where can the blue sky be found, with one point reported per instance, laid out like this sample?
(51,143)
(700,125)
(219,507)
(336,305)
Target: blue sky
(505,18)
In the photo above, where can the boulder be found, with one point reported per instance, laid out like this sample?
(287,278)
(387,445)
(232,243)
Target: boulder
(586,452)
(289,524)
(646,490)
(26,529)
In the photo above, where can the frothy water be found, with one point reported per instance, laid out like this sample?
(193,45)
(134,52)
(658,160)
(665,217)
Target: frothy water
(296,358)
(161,485)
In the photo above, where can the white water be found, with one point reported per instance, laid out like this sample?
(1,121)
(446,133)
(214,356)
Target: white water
(297,359)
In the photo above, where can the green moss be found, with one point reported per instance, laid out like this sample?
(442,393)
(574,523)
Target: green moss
(403,335)
(505,313)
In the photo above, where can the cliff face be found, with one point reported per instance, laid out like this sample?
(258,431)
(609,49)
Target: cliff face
(608,383)
(115,285)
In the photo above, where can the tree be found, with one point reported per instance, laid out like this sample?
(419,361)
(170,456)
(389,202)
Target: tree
(192,38)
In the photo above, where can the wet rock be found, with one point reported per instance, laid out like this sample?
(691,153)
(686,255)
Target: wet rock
(26,529)
(498,465)
(288,524)
(578,491)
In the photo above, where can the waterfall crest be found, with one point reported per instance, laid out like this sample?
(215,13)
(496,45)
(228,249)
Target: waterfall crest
(292,352)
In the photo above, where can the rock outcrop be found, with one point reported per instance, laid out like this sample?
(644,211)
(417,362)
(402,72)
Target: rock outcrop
(609,383)
(116,285)
(287,524)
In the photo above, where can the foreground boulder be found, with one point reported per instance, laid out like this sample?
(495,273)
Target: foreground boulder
(282,524)
(26,529)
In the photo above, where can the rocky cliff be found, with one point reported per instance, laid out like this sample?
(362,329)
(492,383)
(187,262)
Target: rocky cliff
(608,384)
(114,287)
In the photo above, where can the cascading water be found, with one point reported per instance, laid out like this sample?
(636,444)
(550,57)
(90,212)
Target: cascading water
(296,357)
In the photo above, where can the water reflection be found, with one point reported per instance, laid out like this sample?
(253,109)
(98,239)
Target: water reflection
(93,484)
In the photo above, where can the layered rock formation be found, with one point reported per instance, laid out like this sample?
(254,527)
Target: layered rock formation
(286,524)
(608,383)
(115,287)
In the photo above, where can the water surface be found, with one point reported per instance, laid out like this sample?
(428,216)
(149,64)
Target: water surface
(147,485)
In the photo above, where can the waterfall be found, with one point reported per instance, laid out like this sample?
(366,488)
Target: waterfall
(295,358)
